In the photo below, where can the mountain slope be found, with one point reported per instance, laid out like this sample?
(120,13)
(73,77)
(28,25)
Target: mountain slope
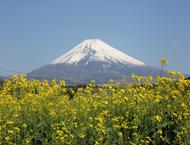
(93,60)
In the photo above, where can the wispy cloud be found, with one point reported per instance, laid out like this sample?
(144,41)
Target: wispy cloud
(175,44)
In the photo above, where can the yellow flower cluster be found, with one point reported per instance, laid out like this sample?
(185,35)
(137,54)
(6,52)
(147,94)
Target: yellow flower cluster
(147,111)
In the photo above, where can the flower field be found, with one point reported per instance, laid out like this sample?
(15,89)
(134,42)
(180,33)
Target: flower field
(150,112)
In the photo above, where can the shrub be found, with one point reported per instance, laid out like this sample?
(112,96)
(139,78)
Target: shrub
(149,112)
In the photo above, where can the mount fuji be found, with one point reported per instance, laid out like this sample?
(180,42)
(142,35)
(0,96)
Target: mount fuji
(93,59)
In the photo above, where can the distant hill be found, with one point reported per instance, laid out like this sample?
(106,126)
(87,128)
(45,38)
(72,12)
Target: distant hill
(2,78)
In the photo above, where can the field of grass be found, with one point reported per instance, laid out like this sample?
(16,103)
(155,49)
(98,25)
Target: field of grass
(150,112)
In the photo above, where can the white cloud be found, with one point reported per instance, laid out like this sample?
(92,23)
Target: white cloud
(175,44)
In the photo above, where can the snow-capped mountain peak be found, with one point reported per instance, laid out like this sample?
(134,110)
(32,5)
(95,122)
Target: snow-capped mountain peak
(95,50)
(93,59)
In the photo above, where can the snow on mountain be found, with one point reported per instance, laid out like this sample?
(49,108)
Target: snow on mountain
(96,50)
(93,59)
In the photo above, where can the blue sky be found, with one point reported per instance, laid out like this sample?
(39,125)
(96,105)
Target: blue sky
(33,33)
